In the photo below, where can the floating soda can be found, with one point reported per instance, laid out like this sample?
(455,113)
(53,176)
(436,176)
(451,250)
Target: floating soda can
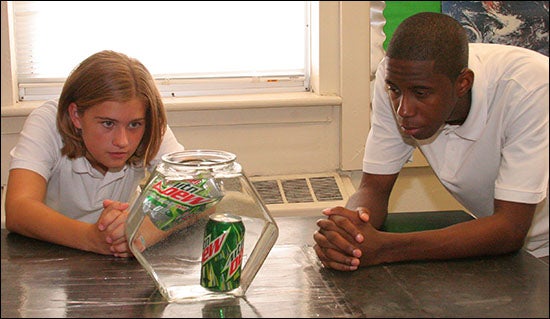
(222,253)
(169,203)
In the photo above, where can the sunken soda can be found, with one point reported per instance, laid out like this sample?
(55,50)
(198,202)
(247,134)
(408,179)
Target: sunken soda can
(222,253)
(169,203)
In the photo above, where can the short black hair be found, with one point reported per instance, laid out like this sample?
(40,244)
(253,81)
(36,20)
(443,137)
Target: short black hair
(430,36)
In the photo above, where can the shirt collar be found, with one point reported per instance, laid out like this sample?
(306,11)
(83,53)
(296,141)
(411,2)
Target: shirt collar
(81,165)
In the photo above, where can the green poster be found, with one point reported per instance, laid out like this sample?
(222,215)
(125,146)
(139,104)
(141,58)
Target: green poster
(397,11)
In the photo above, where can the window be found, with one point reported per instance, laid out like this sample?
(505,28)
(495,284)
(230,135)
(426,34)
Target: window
(191,47)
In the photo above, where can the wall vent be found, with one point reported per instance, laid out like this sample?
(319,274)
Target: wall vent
(305,194)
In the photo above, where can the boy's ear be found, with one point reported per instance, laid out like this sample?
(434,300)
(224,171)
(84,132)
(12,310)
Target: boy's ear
(464,82)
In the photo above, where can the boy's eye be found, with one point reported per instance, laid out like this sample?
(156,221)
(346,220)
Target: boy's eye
(421,93)
(392,89)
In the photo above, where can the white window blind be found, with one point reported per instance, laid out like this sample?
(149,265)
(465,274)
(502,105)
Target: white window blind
(191,47)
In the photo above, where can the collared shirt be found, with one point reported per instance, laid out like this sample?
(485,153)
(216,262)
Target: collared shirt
(499,152)
(74,187)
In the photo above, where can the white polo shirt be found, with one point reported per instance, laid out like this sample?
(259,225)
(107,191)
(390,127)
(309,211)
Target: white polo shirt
(501,150)
(75,188)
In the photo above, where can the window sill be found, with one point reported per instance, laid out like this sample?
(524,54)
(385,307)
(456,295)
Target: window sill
(248,101)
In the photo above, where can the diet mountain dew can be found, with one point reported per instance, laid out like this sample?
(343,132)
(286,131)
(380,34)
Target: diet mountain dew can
(222,253)
(169,203)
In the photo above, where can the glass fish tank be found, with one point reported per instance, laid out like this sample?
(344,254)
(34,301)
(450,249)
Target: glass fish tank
(199,228)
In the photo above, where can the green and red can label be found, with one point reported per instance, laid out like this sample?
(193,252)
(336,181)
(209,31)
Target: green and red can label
(222,253)
(169,203)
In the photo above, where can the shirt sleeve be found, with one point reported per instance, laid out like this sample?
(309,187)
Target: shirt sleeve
(523,174)
(39,146)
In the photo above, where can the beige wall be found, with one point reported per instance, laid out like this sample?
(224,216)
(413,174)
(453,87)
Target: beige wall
(273,134)
(417,189)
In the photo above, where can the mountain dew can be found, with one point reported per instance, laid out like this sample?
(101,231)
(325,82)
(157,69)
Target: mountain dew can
(222,253)
(169,203)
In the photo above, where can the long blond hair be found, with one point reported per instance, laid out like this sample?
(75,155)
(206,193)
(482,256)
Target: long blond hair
(111,76)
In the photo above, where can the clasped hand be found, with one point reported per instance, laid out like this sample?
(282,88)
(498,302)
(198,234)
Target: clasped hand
(112,224)
(346,239)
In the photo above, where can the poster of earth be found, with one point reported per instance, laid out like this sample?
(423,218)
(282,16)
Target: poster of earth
(520,23)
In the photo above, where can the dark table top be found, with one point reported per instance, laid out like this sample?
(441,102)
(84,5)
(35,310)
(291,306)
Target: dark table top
(40,279)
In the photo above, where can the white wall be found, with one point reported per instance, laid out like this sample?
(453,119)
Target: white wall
(271,134)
